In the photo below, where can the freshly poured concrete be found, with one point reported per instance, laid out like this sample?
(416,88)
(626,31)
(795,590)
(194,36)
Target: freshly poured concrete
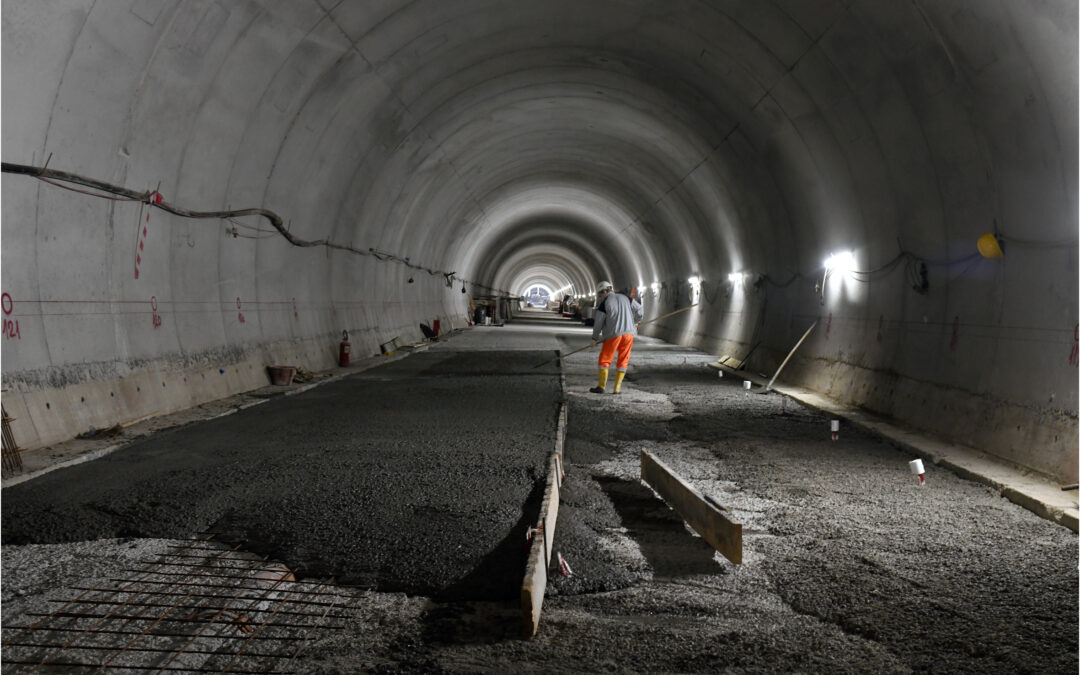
(848,565)
(421,475)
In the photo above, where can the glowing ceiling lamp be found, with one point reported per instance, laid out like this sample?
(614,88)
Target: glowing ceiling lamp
(840,262)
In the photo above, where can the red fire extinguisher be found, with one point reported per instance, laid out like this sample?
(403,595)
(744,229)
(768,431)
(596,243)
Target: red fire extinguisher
(343,349)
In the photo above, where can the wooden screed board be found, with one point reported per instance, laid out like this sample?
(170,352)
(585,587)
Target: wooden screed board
(722,533)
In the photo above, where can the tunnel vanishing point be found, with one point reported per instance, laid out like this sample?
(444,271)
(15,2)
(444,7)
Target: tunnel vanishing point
(196,189)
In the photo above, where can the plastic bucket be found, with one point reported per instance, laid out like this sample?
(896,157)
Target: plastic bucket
(281,375)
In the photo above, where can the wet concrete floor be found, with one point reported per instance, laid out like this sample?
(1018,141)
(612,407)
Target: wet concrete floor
(849,566)
(419,476)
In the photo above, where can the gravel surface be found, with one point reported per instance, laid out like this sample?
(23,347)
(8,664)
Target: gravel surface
(849,566)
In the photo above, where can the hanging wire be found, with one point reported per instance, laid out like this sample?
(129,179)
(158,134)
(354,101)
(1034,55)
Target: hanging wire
(87,192)
(914,266)
(153,198)
(705,291)
(1073,243)
(794,277)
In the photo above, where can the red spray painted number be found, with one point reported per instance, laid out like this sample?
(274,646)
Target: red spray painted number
(295,314)
(955,334)
(239,314)
(1074,355)
(153,306)
(828,326)
(10,328)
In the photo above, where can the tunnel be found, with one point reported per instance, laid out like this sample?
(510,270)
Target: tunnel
(866,209)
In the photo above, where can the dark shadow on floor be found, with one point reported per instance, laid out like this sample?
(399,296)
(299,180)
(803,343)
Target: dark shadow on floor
(485,605)
(472,623)
(670,549)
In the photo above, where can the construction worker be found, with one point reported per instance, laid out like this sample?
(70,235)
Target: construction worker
(615,323)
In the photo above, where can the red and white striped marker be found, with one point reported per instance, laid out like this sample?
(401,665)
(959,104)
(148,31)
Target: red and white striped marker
(564,566)
(834,427)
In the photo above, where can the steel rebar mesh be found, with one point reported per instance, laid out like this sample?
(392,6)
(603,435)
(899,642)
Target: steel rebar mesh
(12,460)
(202,607)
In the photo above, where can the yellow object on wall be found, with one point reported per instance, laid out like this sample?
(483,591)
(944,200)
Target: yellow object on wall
(989,246)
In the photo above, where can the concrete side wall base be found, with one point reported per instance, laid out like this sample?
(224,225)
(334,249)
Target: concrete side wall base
(1042,438)
(1039,438)
(1036,492)
(73,452)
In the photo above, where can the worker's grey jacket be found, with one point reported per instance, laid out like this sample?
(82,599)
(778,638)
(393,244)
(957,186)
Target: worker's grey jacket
(616,315)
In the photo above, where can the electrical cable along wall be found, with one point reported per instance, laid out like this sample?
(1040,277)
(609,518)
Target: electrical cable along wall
(388,157)
(228,369)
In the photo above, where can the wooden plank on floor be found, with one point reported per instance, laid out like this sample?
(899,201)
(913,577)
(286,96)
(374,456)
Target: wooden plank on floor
(535,583)
(726,361)
(722,533)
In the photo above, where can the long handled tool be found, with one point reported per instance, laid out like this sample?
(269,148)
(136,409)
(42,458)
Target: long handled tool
(563,356)
(664,316)
(768,387)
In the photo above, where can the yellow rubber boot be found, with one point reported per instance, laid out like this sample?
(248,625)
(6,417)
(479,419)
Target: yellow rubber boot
(601,383)
(618,380)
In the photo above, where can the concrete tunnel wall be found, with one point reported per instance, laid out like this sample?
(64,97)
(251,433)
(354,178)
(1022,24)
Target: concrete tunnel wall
(560,142)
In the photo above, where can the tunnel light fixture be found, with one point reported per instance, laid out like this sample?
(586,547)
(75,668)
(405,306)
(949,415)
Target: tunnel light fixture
(840,262)
(735,277)
(655,287)
(695,288)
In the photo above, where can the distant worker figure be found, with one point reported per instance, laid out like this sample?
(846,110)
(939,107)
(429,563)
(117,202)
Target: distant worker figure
(615,324)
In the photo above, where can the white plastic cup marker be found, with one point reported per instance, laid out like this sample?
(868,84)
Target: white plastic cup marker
(834,427)
(916,467)
(746,385)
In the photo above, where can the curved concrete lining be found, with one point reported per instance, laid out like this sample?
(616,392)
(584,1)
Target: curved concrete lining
(491,144)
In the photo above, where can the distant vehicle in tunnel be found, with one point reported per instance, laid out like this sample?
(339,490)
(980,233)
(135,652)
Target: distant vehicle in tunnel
(537,296)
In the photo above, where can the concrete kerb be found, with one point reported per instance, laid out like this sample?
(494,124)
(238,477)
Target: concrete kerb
(1038,494)
(360,367)
(534,583)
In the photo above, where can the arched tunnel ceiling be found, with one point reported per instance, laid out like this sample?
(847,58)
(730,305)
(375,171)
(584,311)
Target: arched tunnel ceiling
(663,104)
(495,144)
(714,135)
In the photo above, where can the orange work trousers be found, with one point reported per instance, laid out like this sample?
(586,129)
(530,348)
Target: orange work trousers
(621,344)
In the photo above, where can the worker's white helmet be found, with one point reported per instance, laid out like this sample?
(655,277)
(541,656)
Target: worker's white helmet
(603,286)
